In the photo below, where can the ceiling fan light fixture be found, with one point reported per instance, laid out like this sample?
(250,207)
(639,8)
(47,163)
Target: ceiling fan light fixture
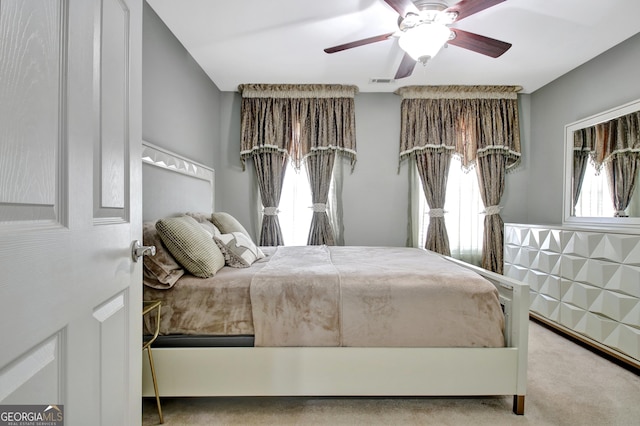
(446,18)
(424,41)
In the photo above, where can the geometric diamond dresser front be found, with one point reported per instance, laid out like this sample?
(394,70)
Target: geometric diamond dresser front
(586,281)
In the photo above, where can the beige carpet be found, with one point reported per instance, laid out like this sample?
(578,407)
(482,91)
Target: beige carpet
(568,385)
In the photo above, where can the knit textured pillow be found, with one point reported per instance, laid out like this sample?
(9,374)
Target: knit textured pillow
(192,247)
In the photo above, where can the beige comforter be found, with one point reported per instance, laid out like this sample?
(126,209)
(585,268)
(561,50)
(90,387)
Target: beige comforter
(216,306)
(372,296)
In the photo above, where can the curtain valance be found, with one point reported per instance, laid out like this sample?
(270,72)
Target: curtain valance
(604,141)
(469,121)
(297,120)
(459,92)
(297,91)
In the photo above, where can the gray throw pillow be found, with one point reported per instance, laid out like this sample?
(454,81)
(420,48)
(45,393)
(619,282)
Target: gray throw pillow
(227,223)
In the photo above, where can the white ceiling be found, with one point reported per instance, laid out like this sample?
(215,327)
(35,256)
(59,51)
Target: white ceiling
(282,41)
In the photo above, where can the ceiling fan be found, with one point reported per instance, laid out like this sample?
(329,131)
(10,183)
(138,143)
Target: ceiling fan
(424,27)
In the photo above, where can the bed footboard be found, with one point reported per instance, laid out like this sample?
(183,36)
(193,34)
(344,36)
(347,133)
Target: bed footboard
(334,371)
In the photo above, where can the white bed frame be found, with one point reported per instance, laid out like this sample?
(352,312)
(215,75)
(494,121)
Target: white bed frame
(344,371)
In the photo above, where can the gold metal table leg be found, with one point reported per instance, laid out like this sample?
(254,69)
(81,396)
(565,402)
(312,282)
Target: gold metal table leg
(155,383)
(149,306)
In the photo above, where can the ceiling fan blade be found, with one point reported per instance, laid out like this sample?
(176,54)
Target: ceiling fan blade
(480,44)
(369,40)
(466,8)
(402,6)
(406,67)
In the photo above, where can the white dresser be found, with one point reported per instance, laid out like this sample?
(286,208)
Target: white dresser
(585,282)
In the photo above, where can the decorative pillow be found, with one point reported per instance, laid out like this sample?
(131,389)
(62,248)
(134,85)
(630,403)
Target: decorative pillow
(228,224)
(191,245)
(204,220)
(238,249)
(160,271)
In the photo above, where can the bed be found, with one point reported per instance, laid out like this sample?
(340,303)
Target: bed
(274,329)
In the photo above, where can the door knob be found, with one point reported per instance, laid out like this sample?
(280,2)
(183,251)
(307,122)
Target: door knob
(138,250)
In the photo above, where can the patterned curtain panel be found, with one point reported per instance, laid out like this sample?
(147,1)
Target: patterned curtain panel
(433,168)
(583,145)
(497,139)
(319,169)
(479,124)
(620,139)
(312,122)
(428,133)
(491,170)
(327,127)
(266,137)
(270,169)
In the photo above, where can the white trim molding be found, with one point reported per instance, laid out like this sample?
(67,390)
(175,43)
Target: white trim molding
(159,157)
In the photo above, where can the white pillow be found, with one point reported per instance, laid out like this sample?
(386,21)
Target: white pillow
(238,249)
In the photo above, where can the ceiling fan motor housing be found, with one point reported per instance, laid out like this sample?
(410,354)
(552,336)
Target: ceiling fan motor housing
(429,12)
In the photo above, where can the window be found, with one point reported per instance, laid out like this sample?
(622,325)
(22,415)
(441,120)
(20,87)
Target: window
(463,218)
(295,206)
(595,196)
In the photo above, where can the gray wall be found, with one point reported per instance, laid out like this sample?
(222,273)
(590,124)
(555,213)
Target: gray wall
(236,189)
(375,196)
(514,198)
(180,104)
(607,81)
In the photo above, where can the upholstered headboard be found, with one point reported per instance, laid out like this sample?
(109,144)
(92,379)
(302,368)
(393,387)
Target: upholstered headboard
(172,184)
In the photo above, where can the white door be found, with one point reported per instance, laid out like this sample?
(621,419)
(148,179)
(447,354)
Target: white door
(70,206)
